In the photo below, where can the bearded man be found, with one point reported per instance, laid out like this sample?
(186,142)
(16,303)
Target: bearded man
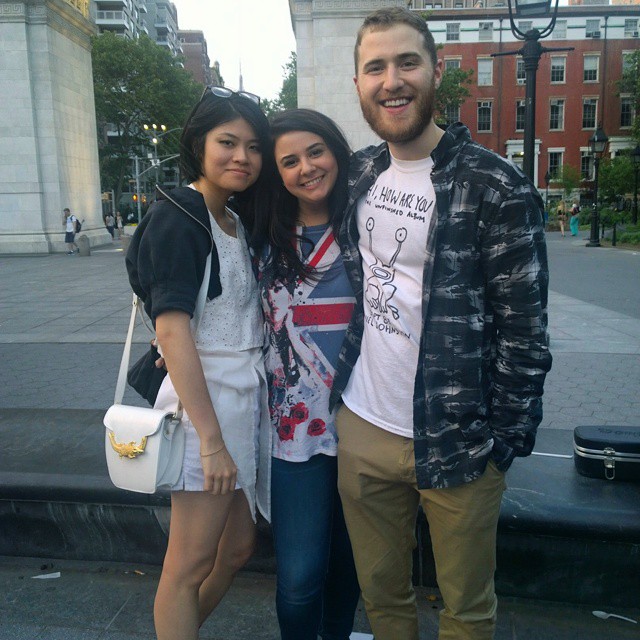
(442,369)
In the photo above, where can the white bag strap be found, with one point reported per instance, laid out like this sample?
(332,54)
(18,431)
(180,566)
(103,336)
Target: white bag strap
(126,353)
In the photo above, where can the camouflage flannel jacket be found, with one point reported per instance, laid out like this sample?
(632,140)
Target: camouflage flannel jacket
(484,348)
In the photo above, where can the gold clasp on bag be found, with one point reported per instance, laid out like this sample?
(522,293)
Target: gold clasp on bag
(128,449)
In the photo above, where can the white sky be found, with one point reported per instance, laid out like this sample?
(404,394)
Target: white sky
(256,33)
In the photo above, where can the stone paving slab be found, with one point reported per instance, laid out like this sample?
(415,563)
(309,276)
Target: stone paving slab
(110,601)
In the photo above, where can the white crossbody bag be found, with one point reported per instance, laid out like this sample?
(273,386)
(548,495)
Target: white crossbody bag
(145,447)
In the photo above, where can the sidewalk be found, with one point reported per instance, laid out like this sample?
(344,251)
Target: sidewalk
(102,601)
(63,320)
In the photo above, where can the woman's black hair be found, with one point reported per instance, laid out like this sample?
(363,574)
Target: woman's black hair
(211,112)
(277,225)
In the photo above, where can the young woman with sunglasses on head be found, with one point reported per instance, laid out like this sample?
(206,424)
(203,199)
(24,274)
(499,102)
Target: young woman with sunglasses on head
(218,374)
(307,301)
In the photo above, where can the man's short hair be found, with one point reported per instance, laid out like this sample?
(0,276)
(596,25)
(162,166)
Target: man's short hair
(66,209)
(383,19)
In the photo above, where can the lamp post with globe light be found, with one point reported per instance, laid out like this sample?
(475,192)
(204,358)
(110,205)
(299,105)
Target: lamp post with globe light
(155,131)
(531,53)
(597,145)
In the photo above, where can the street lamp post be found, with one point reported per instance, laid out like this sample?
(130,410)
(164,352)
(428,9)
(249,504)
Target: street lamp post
(531,53)
(155,131)
(547,180)
(635,156)
(141,173)
(597,144)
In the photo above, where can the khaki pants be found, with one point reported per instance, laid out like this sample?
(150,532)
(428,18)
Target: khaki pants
(377,484)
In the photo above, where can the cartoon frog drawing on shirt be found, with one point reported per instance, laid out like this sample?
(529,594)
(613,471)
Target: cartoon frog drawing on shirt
(380,288)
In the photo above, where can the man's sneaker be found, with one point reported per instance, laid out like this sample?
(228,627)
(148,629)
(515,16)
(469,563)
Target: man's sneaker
(69,253)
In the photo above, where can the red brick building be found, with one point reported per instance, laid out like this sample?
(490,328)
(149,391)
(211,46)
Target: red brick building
(196,58)
(576,90)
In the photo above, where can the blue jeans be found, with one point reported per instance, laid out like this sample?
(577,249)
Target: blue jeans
(317,587)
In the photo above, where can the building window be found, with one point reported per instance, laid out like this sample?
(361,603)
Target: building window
(452,114)
(592,28)
(589,112)
(560,30)
(453,31)
(586,165)
(630,28)
(627,61)
(555,163)
(520,72)
(627,112)
(484,115)
(558,69)
(485,72)
(520,110)
(591,64)
(556,115)
(525,25)
(451,63)
(486,31)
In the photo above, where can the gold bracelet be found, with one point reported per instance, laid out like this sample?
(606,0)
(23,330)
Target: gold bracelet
(212,453)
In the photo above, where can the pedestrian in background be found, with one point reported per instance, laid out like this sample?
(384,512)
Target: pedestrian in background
(574,221)
(119,224)
(110,223)
(307,301)
(69,222)
(562,216)
(443,364)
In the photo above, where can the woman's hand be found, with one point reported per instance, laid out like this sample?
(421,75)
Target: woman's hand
(160,364)
(220,472)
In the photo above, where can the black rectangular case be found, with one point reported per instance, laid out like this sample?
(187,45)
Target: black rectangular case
(611,453)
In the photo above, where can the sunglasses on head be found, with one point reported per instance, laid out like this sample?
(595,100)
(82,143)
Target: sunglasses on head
(223,92)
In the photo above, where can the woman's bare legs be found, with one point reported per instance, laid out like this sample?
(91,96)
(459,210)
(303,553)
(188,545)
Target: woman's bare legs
(234,550)
(198,520)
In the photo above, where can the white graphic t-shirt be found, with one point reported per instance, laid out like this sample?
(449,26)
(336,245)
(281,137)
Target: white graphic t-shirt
(393,222)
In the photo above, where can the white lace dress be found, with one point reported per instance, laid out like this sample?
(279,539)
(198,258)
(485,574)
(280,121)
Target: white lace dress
(229,342)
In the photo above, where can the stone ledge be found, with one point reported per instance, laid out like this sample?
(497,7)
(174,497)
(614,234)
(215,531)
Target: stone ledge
(561,536)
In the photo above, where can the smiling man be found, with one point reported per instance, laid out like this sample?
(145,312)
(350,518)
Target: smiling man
(443,364)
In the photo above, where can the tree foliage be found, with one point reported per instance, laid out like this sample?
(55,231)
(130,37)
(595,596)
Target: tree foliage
(136,82)
(568,179)
(629,84)
(452,91)
(288,96)
(615,178)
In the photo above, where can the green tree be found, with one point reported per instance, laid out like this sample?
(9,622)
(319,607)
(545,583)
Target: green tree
(288,96)
(452,92)
(568,179)
(630,84)
(136,82)
(615,178)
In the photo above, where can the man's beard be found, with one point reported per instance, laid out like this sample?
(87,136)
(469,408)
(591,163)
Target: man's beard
(400,132)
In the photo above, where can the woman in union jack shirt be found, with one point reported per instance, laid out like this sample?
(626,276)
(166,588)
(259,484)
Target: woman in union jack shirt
(307,302)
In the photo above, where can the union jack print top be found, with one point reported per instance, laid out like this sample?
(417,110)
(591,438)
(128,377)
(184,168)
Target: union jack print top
(305,326)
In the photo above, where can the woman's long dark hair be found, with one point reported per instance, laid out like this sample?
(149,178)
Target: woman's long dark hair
(276,224)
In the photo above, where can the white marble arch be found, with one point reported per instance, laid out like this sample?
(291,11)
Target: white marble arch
(325,32)
(48,139)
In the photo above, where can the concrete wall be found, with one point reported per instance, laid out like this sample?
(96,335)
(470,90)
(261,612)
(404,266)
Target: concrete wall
(48,140)
(325,33)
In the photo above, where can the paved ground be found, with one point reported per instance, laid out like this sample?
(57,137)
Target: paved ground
(63,320)
(62,324)
(97,601)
